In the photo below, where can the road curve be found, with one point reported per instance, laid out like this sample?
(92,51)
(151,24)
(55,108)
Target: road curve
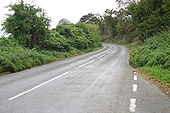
(96,82)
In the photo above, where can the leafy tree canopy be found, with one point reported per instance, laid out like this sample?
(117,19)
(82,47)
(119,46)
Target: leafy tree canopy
(64,21)
(27,24)
(89,18)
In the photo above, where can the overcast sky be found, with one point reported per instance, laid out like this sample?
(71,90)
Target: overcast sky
(58,9)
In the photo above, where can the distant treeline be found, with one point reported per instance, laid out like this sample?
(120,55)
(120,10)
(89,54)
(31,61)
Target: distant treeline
(135,21)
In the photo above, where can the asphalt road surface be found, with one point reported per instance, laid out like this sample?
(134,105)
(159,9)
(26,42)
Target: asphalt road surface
(96,82)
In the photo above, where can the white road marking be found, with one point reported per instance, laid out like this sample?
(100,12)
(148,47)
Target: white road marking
(114,51)
(102,56)
(135,87)
(91,61)
(87,63)
(83,64)
(14,97)
(132,105)
(135,77)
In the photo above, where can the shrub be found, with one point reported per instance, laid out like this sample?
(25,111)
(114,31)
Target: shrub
(80,38)
(154,52)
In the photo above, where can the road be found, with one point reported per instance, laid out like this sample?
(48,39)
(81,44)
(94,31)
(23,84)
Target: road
(96,82)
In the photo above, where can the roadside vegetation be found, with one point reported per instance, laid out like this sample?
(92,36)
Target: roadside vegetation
(153,57)
(31,43)
(144,27)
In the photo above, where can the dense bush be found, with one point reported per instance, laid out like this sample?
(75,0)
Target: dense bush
(80,36)
(150,16)
(27,24)
(15,57)
(154,52)
(75,36)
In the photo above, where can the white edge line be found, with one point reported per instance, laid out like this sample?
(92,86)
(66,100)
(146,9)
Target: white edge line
(84,64)
(135,86)
(100,57)
(87,63)
(103,55)
(135,77)
(90,61)
(37,86)
(132,105)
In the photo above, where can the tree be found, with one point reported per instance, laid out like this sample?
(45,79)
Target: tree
(150,17)
(89,18)
(110,22)
(27,24)
(124,3)
(64,21)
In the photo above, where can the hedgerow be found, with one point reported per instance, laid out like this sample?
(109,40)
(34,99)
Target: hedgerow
(15,57)
(154,52)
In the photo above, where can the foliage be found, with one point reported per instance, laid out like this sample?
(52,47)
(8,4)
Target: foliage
(150,17)
(153,57)
(14,58)
(80,36)
(64,21)
(89,18)
(32,43)
(64,41)
(154,52)
(107,24)
(27,24)
(135,21)
(159,74)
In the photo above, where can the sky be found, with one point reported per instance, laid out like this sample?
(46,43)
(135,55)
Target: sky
(72,10)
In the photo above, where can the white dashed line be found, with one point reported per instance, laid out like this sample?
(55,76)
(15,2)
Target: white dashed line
(135,77)
(14,97)
(133,100)
(101,56)
(135,87)
(132,105)
(91,61)
(83,65)
(86,63)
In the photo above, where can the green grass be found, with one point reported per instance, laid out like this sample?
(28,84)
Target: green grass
(153,57)
(154,52)
(14,59)
(159,74)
